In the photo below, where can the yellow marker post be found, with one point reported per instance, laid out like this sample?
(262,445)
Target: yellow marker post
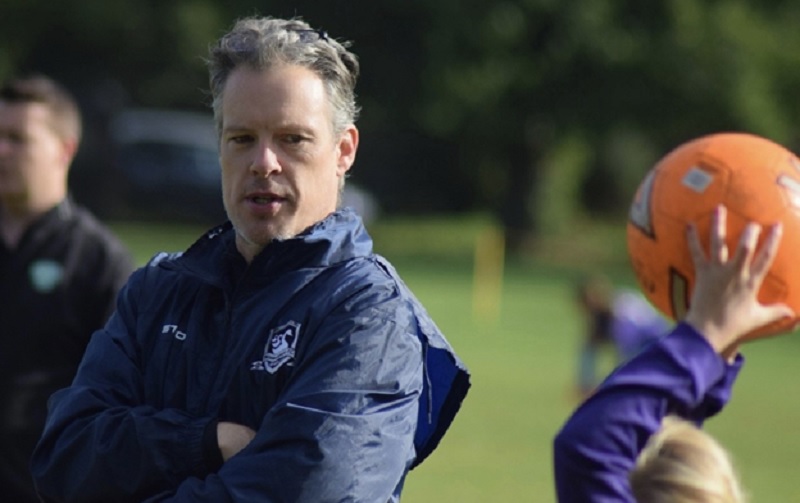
(487,287)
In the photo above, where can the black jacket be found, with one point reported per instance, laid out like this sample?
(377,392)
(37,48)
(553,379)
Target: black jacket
(56,288)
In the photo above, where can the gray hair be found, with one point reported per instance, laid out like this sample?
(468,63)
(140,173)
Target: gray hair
(260,42)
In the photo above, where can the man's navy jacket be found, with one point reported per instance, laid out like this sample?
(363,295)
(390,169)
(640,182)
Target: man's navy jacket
(317,345)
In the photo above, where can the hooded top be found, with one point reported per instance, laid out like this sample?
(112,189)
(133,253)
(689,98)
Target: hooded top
(317,345)
(679,374)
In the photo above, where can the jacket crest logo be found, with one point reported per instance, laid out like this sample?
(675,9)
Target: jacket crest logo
(45,275)
(280,346)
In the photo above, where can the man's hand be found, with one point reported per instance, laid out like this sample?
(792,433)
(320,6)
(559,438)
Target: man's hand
(724,305)
(232,438)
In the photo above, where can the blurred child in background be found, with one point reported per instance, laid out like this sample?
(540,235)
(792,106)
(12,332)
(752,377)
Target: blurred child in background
(619,319)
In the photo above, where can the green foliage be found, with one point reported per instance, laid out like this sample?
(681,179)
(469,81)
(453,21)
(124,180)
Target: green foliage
(559,195)
(658,72)
(510,83)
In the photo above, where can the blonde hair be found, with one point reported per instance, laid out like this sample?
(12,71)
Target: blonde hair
(683,464)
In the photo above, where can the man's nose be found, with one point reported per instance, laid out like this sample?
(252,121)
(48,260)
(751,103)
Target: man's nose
(266,160)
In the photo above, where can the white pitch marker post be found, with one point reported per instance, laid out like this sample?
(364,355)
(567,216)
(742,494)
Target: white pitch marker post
(487,284)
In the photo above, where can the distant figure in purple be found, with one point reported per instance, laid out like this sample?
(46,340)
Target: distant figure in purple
(619,318)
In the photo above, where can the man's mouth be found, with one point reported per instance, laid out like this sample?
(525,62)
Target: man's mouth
(265,199)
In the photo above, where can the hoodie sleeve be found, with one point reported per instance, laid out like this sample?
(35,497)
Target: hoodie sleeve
(99,444)
(598,445)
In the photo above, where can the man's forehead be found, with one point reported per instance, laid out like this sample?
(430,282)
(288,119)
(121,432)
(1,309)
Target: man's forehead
(291,92)
(24,112)
(31,118)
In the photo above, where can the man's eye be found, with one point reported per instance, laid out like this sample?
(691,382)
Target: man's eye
(294,139)
(14,138)
(240,139)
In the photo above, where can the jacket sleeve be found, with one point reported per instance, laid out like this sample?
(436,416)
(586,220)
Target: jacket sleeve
(343,429)
(99,443)
(598,445)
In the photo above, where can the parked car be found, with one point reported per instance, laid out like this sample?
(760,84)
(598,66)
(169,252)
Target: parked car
(156,163)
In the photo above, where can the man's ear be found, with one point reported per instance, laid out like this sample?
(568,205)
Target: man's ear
(69,148)
(346,149)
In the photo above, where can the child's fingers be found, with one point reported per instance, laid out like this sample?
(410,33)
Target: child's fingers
(766,254)
(719,223)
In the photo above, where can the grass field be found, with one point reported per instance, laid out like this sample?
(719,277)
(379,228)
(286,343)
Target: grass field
(522,362)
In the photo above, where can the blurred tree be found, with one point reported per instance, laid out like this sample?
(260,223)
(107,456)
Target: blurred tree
(537,110)
(149,49)
(524,82)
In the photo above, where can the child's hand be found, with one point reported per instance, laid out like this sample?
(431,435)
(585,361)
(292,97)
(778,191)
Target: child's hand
(724,306)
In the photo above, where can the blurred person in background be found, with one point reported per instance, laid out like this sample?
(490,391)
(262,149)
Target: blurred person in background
(278,358)
(637,438)
(617,319)
(60,269)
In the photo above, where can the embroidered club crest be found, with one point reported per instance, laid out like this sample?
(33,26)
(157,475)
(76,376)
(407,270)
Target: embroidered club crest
(280,346)
(45,275)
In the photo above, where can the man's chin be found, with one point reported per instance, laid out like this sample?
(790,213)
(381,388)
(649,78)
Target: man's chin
(262,235)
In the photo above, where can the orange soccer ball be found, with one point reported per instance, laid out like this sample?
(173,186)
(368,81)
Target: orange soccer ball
(756,179)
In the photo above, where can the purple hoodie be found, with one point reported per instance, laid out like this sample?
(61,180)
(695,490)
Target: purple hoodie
(680,374)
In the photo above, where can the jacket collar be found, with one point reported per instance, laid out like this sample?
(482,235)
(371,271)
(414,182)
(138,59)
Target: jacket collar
(339,237)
